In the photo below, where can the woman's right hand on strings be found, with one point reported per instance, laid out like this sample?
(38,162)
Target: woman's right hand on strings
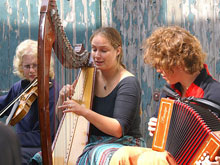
(152,125)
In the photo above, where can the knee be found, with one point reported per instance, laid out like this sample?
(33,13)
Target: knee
(126,155)
(120,156)
(155,158)
(123,150)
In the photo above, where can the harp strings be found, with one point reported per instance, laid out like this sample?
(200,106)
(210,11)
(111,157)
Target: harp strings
(67,76)
(74,118)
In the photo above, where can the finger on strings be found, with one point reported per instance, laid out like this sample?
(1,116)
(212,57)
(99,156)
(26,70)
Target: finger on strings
(69,90)
(72,87)
(70,101)
(62,107)
(74,83)
(67,110)
(64,90)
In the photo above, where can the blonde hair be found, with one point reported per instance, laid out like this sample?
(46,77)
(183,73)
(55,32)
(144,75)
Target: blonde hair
(172,46)
(114,37)
(27,47)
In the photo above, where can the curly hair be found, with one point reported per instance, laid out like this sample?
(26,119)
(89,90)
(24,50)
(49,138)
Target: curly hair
(114,37)
(27,47)
(172,46)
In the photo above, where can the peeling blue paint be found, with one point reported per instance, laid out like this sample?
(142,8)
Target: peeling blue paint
(134,62)
(191,18)
(136,42)
(159,82)
(218,67)
(219,10)
(107,12)
(209,36)
(146,95)
(127,22)
(126,41)
(94,9)
(80,26)
(134,22)
(163,13)
(116,21)
(145,16)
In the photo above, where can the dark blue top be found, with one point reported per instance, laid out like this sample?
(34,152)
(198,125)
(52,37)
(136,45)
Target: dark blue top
(123,104)
(28,129)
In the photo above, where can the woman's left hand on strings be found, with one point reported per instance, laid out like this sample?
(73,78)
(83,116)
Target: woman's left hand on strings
(66,92)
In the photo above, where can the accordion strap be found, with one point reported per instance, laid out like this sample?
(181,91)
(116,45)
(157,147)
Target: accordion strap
(213,106)
(171,93)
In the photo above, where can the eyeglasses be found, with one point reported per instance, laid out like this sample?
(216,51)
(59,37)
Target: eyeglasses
(28,67)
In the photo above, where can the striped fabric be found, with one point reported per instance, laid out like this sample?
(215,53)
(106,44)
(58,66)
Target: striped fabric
(101,148)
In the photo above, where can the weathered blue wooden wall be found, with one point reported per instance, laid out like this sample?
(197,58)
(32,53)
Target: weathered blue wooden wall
(135,19)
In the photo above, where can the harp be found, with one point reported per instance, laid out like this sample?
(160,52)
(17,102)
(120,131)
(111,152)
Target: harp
(51,35)
(186,130)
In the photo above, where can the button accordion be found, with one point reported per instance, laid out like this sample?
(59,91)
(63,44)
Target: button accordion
(186,130)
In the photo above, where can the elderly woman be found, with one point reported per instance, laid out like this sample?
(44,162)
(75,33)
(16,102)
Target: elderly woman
(28,129)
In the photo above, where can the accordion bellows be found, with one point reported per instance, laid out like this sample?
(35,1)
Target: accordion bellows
(186,131)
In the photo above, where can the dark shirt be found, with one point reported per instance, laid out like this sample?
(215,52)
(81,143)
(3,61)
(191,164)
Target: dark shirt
(28,129)
(123,104)
(10,153)
(204,86)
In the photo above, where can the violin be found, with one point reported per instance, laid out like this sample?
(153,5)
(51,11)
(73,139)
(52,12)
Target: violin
(22,104)
(25,102)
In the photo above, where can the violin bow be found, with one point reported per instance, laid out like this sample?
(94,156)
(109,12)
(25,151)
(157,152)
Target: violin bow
(16,100)
(51,35)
